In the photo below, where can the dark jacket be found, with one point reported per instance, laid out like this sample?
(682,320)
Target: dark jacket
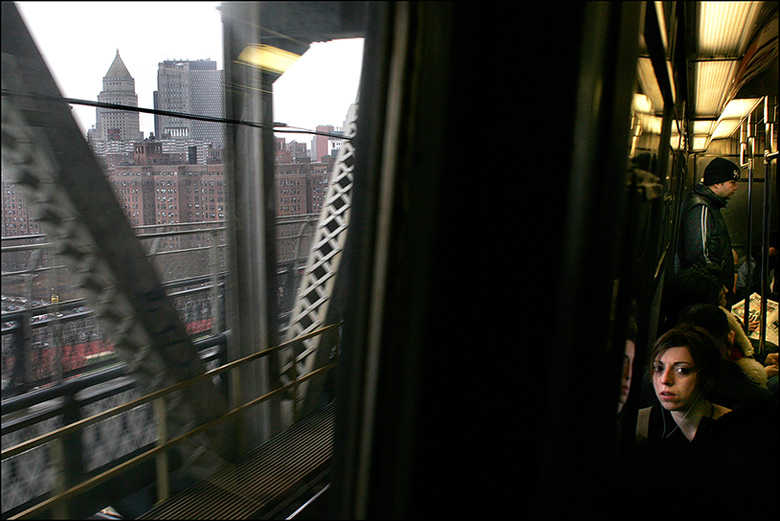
(728,471)
(704,236)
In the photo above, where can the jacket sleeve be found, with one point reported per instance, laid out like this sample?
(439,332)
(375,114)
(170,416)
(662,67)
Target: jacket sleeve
(696,248)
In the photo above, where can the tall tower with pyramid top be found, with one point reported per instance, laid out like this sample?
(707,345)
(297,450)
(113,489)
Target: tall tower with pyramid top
(118,88)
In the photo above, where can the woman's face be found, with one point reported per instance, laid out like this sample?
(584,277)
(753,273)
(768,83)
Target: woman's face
(675,379)
(628,365)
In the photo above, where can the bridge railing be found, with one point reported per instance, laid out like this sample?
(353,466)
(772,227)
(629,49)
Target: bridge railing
(50,337)
(32,474)
(61,496)
(50,334)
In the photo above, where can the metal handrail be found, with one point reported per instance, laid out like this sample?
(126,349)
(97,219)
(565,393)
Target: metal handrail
(77,302)
(17,317)
(216,226)
(162,477)
(208,227)
(79,383)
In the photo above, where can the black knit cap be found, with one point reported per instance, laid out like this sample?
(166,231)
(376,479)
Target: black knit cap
(719,171)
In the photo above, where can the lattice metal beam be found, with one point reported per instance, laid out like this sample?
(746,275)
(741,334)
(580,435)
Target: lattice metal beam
(311,305)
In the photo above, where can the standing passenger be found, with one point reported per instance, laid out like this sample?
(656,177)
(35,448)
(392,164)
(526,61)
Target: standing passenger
(704,236)
(751,263)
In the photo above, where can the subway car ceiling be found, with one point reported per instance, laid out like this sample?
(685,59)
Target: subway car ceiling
(726,63)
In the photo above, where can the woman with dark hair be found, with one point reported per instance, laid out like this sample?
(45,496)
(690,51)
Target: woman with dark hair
(695,452)
(684,365)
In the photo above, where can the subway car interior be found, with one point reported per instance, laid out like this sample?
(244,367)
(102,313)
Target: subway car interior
(506,201)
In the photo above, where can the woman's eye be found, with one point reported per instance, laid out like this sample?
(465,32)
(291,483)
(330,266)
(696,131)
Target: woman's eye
(683,370)
(658,368)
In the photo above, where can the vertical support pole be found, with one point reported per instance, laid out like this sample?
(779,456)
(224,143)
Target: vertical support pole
(236,401)
(296,399)
(29,371)
(71,444)
(249,175)
(746,132)
(60,509)
(57,340)
(161,460)
(216,307)
(22,372)
(765,224)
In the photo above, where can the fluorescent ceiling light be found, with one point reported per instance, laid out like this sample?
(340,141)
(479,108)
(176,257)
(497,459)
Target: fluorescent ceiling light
(739,108)
(267,57)
(642,104)
(700,143)
(649,84)
(733,114)
(703,126)
(725,128)
(720,28)
(651,124)
(713,80)
(722,44)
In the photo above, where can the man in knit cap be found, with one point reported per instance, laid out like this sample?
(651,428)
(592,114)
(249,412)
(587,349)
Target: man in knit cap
(704,236)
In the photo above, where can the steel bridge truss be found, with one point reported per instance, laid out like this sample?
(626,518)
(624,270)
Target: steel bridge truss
(316,288)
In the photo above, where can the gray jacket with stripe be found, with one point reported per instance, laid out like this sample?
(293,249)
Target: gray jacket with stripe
(704,236)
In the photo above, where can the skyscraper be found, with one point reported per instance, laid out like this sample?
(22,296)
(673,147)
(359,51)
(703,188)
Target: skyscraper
(193,87)
(118,88)
(319,144)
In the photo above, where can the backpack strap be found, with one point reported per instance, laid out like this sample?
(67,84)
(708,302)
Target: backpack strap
(643,423)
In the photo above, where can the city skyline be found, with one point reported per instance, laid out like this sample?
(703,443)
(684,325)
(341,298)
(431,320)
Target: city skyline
(312,92)
(118,89)
(195,87)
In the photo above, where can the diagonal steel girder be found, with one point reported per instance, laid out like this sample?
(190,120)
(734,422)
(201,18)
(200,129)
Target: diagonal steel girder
(312,304)
(45,153)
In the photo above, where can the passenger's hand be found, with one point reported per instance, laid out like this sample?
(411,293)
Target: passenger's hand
(752,325)
(770,363)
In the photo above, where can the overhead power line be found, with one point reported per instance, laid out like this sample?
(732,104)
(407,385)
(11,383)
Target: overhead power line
(276,127)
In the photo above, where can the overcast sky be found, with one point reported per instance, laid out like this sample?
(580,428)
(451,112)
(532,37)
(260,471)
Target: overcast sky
(79,40)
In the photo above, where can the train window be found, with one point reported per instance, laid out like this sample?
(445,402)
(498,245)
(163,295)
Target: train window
(239,96)
(310,99)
